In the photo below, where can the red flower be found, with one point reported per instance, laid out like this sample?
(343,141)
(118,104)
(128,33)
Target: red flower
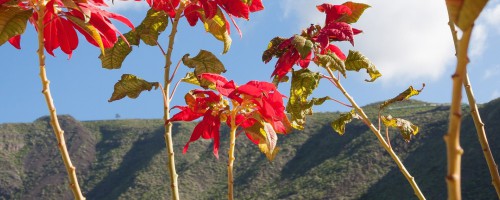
(60,22)
(256,102)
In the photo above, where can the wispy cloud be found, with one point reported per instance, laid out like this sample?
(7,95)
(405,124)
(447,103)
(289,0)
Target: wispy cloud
(407,39)
(495,94)
(491,15)
(478,40)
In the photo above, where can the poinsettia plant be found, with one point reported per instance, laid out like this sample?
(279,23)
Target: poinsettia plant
(316,44)
(56,23)
(256,107)
(214,15)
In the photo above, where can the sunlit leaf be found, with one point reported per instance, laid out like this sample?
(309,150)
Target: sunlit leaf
(405,95)
(357,10)
(273,49)
(303,45)
(266,138)
(192,79)
(355,61)
(148,31)
(331,61)
(339,124)
(89,29)
(465,12)
(406,128)
(13,22)
(113,57)
(131,86)
(218,27)
(303,84)
(152,26)
(204,62)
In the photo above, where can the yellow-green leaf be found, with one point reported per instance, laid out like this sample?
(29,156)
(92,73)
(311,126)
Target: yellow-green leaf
(273,50)
(357,10)
(192,79)
(406,128)
(13,22)
(131,86)
(465,12)
(302,45)
(152,26)
(267,137)
(91,30)
(204,62)
(217,26)
(332,62)
(303,84)
(339,124)
(405,95)
(113,57)
(355,61)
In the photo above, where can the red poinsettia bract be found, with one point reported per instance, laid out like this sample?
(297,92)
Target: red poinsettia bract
(334,29)
(62,17)
(257,107)
(206,9)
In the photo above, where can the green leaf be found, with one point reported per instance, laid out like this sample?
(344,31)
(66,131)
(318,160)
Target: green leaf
(355,61)
(131,86)
(148,31)
(113,57)
(339,124)
(357,10)
(217,26)
(204,62)
(331,61)
(405,95)
(303,84)
(192,79)
(302,45)
(465,12)
(152,26)
(277,80)
(273,50)
(13,22)
(406,128)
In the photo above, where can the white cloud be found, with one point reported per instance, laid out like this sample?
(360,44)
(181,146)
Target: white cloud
(121,5)
(491,15)
(409,39)
(478,40)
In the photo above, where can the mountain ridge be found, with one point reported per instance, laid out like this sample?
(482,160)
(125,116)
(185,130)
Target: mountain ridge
(126,159)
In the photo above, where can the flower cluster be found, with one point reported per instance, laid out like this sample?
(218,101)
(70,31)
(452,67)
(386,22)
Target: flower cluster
(315,40)
(257,107)
(62,17)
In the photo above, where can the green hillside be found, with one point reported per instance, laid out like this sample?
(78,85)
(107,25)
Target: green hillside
(126,159)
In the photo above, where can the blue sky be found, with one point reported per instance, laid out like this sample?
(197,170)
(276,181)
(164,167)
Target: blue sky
(409,41)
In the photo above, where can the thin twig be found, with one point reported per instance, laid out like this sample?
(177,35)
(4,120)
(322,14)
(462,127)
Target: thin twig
(161,48)
(379,136)
(173,91)
(175,71)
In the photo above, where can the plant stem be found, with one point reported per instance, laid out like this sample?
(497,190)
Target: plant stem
(166,109)
(232,143)
(452,138)
(481,133)
(70,168)
(379,136)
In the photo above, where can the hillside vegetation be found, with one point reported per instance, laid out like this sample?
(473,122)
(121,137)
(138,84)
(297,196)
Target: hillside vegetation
(126,159)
